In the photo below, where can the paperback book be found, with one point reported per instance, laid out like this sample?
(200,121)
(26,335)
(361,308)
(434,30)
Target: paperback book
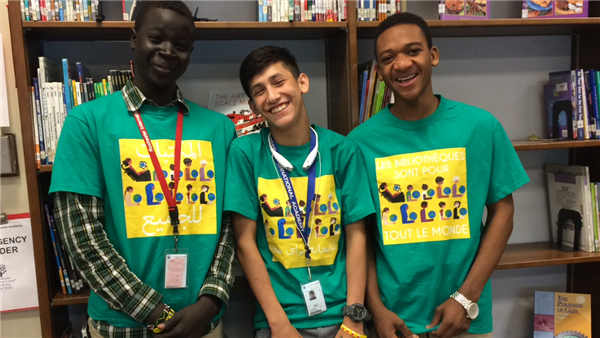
(555,9)
(234,104)
(464,9)
(564,315)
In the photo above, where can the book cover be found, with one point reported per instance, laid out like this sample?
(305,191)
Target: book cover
(562,315)
(39,121)
(569,76)
(593,100)
(568,191)
(555,9)
(464,10)
(234,104)
(559,110)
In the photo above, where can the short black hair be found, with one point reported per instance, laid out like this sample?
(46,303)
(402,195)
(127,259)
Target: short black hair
(403,19)
(260,59)
(144,8)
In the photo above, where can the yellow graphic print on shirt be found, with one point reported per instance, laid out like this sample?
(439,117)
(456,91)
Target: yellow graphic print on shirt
(146,208)
(285,241)
(423,196)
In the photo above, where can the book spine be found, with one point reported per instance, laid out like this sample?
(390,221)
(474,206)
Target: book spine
(297,11)
(597,81)
(61,252)
(23,16)
(594,215)
(593,102)
(40,131)
(65,64)
(578,111)
(84,7)
(36,135)
(362,95)
(586,115)
(56,256)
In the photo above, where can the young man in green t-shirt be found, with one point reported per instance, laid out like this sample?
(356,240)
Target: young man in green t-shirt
(307,268)
(431,275)
(148,253)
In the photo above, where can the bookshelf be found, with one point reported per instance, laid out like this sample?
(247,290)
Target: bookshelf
(341,43)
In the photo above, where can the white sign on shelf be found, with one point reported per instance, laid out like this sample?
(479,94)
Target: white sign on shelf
(18,287)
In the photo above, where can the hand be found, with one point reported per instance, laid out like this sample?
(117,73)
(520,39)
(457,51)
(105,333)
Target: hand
(356,327)
(155,314)
(388,323)
(191,321)
(453,318)
(285,331)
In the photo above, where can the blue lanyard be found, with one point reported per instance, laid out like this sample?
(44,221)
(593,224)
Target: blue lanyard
(287,182)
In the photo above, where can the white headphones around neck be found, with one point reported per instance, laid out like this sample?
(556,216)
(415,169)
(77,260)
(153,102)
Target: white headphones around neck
(310,159)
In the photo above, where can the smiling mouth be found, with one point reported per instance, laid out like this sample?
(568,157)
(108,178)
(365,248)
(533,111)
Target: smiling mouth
(279,108)
(406,79)
(162,69)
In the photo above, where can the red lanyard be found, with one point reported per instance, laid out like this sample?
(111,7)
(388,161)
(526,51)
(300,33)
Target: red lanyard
(170,197)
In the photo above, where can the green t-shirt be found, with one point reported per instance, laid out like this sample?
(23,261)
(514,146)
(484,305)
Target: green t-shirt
(101,153)
(431,180)
(255,191)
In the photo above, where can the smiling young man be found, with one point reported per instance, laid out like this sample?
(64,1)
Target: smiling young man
(162,263)
(307,280)
(440,286)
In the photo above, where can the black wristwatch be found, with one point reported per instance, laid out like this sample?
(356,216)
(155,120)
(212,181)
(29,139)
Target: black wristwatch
(356,312)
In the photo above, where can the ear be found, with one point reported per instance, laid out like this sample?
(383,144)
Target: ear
(133,38)
(435,56)
(253,107)
(304,83)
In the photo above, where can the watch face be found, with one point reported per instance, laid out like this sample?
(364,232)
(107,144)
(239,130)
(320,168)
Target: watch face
(359,313)
(473,311)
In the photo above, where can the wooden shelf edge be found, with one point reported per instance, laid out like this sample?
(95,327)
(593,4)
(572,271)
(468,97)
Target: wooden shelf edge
(61,299)
(199,25)
(528,255)
(554,144)
(495,22)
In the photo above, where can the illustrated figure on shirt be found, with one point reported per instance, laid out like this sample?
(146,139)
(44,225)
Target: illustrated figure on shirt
(188,169)
(128,197)
(317,207)
(330,206)
(150,195)
(281,223)
(424,218)
(409,196)
(385,217)
(332,224)
(302,204)
(455,192)
(203,195)
(275,211)
(457,210)
(426,197)
(204,177)
(288,208)
(190,197)
(392,198)
(442,211)
(267,230)
(141,176)
(440,187)
(319,228)
(404,214)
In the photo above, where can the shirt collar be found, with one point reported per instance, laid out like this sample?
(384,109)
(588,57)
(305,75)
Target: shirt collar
(134,98)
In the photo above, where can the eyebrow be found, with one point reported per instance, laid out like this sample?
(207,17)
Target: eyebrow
(270,79)
(409,45)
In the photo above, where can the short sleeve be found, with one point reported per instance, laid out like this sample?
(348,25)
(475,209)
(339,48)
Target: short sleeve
(240,184)
(351,173)
(507,173)
(77,165)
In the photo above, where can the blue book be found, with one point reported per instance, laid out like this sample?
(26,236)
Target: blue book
(594,95)
(579,100)
(27,10)
(570,77)
(62,270)
(66,83)
(367,10)
(362,94)
(591,115)
(38,113)
(314,10)
(86,16)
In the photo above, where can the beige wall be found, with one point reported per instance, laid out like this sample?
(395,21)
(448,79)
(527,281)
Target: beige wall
(13,198)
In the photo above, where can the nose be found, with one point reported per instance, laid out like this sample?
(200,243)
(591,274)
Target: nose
(167,49)
(402,62)
(272,94)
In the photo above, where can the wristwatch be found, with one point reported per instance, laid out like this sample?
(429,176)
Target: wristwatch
(471,308)
(356,312)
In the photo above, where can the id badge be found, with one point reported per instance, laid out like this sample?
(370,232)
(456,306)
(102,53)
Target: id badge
(314,298)
(176,266)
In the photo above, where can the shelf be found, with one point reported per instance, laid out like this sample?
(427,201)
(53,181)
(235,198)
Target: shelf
(495,27)
(121,30)
(61,299)
(554,144)
(528,255)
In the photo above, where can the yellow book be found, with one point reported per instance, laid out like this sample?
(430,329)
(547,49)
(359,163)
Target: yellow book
(562,315)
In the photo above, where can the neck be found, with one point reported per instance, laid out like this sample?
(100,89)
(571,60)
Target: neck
(161,96)
(298,134)
(415,110)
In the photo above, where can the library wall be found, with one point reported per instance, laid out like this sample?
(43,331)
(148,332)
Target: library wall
(13,198)
(504,75)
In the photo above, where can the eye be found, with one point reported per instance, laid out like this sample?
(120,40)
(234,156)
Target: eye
(258,93)
(154,39)
(414,51)
(279,83)
(386,59)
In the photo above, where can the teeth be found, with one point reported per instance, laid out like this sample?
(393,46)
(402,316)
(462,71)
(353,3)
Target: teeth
(278,109)
(406,78)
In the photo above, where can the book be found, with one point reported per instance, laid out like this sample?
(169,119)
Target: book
(464,9)
(234,104)
(570,78)
(592,93)
(569,203)
(559,110)
(555,9)
(61,274)
(559,314)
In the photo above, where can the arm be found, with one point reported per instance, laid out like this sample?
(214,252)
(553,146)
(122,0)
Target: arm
(258,277)
(356,270)
(79,219)
(194,319)
(498,227)
(386,322)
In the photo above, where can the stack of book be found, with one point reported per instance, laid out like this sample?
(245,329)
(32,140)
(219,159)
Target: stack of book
(464,9)
(572,104)
(573,204)
(51,100)
(302,10)
(60,10)
(70,279)
(373,93)
(555,9)
(378,10)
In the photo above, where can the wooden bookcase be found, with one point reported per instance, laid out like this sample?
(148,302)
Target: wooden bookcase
(342,108)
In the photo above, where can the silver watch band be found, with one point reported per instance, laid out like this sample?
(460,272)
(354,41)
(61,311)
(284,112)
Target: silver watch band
(461,299)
